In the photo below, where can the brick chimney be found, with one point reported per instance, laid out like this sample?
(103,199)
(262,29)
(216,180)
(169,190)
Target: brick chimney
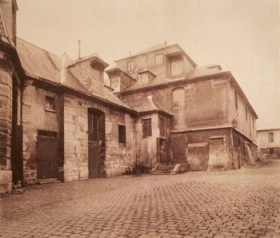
(9,9)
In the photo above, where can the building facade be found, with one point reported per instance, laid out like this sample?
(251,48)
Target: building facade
(269,142)
(210,123)
(59,121)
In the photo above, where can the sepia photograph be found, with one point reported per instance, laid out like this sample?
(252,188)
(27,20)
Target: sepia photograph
(139,118)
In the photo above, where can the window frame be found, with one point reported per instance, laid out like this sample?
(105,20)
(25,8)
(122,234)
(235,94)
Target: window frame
(180,96)
(51,101)
(122,133)
(270,137)
(146,127)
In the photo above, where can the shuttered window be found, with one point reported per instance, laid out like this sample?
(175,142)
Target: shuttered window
(147,127)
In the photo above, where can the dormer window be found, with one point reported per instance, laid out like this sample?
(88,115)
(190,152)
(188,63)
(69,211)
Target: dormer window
(130,66)
(176,66)
(143,78)
(116,83)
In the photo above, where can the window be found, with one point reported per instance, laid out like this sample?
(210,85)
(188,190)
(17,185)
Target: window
(144,78)
(147,127)
(159,59)
(176,66)
(236,101)
(246,111)
(49,103)
(130,65)
(270,137)
(115,83)
(122,134)
(178,97)
(161,126)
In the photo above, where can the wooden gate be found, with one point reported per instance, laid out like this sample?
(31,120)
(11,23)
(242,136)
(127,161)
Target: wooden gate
(48,156)
(96,142)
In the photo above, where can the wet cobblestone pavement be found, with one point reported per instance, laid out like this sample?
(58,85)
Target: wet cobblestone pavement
(240,203)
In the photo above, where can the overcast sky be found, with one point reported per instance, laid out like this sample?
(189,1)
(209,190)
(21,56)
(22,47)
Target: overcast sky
(241,35)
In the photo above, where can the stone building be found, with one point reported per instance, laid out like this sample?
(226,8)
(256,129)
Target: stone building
(59,121)
(269,142)
(194,115)
(11,82)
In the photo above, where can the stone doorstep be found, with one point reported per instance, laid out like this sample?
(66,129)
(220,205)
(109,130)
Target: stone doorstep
(48,180)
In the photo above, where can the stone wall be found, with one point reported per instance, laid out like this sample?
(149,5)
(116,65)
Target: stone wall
(193,147)
(35,117)
(242,114)
(5,124)
(119,157)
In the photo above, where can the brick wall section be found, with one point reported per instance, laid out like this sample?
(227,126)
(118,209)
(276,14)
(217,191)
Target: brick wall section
(34,118)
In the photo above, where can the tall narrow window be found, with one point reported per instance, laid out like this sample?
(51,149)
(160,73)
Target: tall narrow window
(176,66)
(236,101)
(147,127)
(122,134)
(162,126)
(270,137)
(130,66)
(178,98)
(159,59)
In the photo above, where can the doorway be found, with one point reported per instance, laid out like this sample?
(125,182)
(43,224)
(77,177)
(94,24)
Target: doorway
(48,155)
(96,142)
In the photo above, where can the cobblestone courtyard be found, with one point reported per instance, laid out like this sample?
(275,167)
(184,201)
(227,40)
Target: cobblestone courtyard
(241,203)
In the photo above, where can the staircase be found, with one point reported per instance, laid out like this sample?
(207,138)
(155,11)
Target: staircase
(160,169)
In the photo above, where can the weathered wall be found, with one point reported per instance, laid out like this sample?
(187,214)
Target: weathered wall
(119,158)
(193,147)
(35,117)
(5,123)
(263,139)
(246,121)
(205,103)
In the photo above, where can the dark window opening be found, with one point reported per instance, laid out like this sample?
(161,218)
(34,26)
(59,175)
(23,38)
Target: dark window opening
(50,103)
(161,126)
(270,137)
(147,127)
(236,101)
(122,134)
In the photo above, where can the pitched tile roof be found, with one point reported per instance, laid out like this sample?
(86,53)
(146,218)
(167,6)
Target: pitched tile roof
(41,64)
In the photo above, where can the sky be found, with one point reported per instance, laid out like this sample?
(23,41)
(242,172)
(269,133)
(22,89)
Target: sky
(242,36)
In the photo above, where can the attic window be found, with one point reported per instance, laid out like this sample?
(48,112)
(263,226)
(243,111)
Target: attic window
(159,59)
(176,66)
(130,66)
(143,78)
(49,103)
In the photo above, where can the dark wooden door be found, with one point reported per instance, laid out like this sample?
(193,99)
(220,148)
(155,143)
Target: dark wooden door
(96,142)
(47,151)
